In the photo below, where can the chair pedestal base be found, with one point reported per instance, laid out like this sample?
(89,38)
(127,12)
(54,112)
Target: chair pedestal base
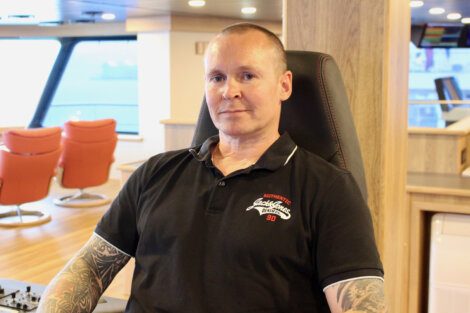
(82,200)
(23,218)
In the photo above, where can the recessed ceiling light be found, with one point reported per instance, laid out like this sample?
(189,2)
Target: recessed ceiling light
(465,20)
(108,16)
(197,3)
(249,10)
(436,11)
(416,3)
(454,16)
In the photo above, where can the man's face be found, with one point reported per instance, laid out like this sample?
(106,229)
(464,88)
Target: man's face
(244,85)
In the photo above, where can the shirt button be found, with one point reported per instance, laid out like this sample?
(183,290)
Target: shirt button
(221,183)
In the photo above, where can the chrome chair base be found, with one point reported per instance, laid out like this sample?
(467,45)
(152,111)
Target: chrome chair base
(82,200)
(22,217)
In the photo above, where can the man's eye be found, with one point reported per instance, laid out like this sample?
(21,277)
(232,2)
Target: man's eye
(217,78)
(248,76)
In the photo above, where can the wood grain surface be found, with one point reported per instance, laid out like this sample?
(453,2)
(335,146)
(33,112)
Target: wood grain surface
(437,153)
(36,254)
(369,40)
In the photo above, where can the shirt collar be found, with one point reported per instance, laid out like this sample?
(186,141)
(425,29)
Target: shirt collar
(277,155)
(203,153)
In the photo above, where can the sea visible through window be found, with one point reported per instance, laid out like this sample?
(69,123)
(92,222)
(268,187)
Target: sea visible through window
(100,81)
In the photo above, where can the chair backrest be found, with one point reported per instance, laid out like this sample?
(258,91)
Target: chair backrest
(27,164)
(447,88)
(88,149)
(317,115)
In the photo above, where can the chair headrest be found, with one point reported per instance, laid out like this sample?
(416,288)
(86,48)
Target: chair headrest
(317,115)
(33,140)
(90,131)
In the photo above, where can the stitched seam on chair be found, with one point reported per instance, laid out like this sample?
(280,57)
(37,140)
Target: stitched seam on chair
(331,115)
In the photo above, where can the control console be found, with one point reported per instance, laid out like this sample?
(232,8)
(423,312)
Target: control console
(21,297)
(25,300)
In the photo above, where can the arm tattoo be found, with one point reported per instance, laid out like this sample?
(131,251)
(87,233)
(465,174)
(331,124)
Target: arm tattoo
(361,295)
(81,283)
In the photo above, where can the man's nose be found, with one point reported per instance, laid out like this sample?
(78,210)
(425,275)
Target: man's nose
(231,89)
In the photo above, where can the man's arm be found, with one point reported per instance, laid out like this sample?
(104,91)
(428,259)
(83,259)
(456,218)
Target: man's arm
(364,295)
(78,287)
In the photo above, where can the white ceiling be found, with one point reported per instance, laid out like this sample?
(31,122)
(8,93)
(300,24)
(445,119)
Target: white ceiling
(73,11)
(421,15)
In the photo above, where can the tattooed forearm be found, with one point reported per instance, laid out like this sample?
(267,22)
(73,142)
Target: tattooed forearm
(80,284)
(358,296)
(104,260)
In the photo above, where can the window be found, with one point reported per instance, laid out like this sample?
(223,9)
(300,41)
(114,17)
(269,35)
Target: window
(25,66)
(427,65)
(99,81)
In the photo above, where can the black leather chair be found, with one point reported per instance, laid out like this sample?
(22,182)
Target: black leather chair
(317,115)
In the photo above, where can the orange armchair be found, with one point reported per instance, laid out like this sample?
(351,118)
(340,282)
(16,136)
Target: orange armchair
(28,161)
(88,148)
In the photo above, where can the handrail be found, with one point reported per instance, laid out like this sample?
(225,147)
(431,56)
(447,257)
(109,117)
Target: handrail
(457,102)
(460,128)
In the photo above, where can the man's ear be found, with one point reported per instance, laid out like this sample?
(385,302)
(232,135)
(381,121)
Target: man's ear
(286,85)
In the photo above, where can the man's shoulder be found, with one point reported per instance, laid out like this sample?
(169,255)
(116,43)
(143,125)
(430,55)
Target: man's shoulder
(168,155)
(164,159)
(314,162)
(328,177)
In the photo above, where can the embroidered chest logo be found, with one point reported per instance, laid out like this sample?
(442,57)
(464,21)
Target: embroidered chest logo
(272,206)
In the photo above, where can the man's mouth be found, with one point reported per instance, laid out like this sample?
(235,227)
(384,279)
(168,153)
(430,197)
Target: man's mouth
(233,110)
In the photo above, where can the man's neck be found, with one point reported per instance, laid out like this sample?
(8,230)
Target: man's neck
(235,153)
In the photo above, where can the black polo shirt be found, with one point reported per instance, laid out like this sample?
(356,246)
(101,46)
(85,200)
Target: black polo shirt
(267,238)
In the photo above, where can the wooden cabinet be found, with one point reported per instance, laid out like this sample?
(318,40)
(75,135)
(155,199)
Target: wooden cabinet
(437,151)
(434,150)
(429,194)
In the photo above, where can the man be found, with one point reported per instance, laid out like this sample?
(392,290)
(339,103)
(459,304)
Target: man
(247,222)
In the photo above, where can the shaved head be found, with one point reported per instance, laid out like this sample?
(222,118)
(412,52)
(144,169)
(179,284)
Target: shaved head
(272,39)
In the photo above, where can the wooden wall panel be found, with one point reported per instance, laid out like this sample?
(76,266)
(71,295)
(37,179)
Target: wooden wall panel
(393,203)
(369,40)
(318,26)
